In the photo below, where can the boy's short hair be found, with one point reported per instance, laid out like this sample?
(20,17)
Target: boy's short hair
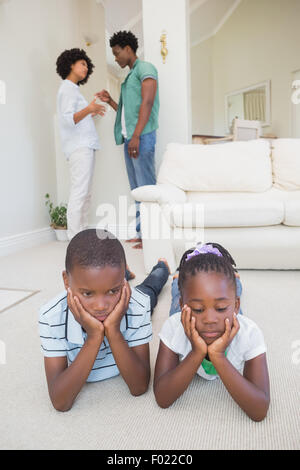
(123,39)
(95,248)
(68,58)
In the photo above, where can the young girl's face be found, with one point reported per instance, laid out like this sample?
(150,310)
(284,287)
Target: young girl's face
(212,298)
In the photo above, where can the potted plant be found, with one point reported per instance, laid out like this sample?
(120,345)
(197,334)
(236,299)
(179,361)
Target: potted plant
(58,217)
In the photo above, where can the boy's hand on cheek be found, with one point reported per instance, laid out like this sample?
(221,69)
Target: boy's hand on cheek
(113,321)
(92,326)
(189,324)
(218,347)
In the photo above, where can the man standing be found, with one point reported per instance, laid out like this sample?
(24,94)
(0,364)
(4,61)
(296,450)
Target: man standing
(137,115)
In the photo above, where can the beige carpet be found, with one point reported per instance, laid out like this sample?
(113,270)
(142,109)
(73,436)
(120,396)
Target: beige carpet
(105,416)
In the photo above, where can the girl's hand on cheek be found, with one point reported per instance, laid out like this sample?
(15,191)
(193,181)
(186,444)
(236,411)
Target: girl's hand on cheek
(189,324)
(91,325)
(219,346)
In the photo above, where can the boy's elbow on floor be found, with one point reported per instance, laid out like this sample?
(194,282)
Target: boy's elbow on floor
(140,391)
(62,407)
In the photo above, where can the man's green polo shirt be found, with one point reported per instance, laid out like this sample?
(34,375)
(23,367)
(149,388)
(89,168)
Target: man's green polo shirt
(131,99)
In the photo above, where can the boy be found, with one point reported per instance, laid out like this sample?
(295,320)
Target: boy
(98,328)
(78,133)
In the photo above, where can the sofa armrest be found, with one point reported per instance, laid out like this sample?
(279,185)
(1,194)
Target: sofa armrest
(161,193)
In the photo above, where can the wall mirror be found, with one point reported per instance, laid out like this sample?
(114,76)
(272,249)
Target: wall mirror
(251,103)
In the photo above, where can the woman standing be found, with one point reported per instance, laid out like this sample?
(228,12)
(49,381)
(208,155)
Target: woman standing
(78,133)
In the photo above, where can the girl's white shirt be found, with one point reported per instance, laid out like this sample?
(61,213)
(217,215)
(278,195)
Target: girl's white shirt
(247,344)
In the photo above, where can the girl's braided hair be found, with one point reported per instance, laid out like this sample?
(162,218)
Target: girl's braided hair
(206,262)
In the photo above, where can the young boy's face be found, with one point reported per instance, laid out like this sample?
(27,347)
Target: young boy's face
(98,289)
(80,69)
(212,298)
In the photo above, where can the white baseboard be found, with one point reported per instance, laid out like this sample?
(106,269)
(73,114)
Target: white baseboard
(21,241)
(14,243)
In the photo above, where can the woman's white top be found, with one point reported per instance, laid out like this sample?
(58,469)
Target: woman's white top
(74,136)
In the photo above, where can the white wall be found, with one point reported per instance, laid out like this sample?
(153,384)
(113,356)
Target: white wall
(32,34)
(202,88)
(258,42)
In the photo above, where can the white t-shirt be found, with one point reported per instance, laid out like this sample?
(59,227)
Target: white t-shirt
(74,136)
(247,344)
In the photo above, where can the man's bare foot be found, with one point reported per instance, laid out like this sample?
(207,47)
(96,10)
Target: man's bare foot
(131,274)
(134,240)
(166,263)
(139,246)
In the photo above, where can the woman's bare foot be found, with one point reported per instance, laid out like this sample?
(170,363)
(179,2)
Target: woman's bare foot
(166,263)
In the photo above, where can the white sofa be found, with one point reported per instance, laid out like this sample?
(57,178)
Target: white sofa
(244,195)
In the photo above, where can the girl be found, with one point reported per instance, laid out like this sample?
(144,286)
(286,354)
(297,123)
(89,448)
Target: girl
(207,338)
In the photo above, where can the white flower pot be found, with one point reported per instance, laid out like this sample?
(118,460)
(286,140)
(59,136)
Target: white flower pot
(61,235)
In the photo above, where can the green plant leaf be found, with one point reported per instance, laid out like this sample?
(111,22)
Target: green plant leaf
(58,214)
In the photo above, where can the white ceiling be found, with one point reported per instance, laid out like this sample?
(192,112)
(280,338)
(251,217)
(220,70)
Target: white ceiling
(206,18)
(120,13)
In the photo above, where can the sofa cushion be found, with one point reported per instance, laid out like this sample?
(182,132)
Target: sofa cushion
(231,209)
(286,163)
(292,210)
(234,166)
(292,213)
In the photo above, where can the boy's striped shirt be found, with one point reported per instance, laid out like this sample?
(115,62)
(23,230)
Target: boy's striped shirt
(61,335)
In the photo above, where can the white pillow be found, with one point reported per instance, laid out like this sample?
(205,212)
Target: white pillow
(234,166)
(286,163)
